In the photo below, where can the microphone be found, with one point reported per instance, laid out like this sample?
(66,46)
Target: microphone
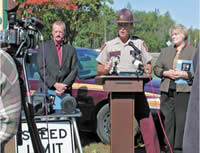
(115,61)
(36,22)
(68,104)
(130,43)
(137,58)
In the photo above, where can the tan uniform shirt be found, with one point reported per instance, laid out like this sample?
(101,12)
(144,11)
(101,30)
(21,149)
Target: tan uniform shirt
(116,47)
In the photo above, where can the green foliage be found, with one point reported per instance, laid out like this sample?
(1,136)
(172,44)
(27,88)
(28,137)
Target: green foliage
(153,29)
(75,20)
(95,32)
(96,148)
(90,25)
(195,36)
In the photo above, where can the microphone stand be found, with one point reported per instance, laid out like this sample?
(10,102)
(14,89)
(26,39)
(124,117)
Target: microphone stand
(114,72)
(29,114)
(115,62)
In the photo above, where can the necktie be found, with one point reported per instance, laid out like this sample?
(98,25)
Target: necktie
(59,52)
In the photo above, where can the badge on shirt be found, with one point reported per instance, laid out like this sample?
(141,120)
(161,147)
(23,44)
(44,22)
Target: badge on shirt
(114,53)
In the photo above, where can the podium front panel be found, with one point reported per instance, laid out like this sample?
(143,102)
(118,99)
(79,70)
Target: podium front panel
(123,85)
(122,122)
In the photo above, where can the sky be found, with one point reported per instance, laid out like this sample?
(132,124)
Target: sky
(186,12)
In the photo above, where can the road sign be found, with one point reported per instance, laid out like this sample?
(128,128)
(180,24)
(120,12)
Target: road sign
(57,137)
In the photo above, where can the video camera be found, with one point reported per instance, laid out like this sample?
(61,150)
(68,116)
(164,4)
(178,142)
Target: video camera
(21,33)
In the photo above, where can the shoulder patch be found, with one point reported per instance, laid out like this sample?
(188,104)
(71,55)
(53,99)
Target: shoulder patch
(145,46)
(102,48)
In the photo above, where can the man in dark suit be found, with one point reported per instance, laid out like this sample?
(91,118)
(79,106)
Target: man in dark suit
(57,62)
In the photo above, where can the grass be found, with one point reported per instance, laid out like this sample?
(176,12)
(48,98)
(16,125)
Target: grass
(96,148)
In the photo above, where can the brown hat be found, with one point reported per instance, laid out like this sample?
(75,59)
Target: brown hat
(125,16)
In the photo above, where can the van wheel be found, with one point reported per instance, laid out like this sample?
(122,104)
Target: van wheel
(103,124)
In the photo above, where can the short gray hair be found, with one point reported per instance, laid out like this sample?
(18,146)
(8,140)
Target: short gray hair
(59,23)
(179,27)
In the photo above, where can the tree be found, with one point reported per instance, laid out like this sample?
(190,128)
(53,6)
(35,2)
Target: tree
(195,36)
(89,23)
(153,28)
(129,6)
(94,33)
(79,13)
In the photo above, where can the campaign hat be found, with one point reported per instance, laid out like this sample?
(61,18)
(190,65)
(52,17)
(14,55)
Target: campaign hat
(125,16)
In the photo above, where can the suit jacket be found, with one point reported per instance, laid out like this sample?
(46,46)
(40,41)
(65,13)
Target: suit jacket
(165,62)
(191,132)
(49,69)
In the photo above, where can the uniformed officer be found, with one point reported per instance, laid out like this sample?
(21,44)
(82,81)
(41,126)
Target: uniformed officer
(117,56)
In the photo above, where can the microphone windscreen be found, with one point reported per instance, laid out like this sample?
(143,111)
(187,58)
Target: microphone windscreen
(68,104)
(130,43)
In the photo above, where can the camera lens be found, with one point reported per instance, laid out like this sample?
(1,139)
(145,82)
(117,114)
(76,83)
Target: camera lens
(12,17)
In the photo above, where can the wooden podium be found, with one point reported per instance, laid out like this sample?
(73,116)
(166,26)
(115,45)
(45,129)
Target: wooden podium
(122,94)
